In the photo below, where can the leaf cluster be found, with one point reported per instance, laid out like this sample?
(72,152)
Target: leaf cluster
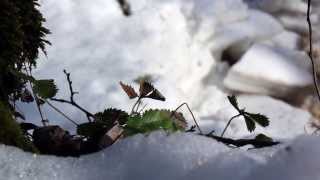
(251,119)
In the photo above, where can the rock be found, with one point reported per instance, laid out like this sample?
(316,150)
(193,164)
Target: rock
(55,140)
(270,71)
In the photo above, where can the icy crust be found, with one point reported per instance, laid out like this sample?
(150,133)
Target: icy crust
(177,156)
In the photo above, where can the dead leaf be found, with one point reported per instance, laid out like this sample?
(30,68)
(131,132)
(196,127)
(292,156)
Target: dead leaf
(129,90)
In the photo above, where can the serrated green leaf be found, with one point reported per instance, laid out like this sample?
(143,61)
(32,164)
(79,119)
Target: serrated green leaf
(262,120)
(92,129)
(176,117)
(150,121)
(45,88)
(251,126)
(233,101)
(263,137)
(111,115)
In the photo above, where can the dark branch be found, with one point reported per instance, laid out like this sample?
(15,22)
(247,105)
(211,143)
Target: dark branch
(243,142)
(315,79)
(125,7)
(71,101)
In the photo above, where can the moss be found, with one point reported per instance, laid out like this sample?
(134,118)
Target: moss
(10,132)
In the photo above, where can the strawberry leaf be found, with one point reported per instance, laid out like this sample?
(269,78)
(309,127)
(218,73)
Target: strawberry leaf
(45,88)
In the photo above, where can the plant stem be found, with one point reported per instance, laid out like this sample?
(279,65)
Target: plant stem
(194,119)
(60,112)
(135,104)
(228,124)
(314,72)
(72,102)
(29,73)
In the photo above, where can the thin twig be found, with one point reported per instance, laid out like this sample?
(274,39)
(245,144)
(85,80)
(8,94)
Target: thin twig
(60,112)
(88,114)
(228,124)
(71,101)
(194,119)
(315,79)
(29,73)
(125,7)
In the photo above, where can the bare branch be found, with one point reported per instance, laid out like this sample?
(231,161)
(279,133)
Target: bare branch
(60,112)
(315,79)
(243,142)
(125,7)
(29,73)
(71,101)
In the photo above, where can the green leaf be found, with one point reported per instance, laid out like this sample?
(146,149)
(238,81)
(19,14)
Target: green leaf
(22,75)
(233,101)
(45,88)
(92,129)
(262,120)
(251,126)
(263,137)
(150,121)
(111,115)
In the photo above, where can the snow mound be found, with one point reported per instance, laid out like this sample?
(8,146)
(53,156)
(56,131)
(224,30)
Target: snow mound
(267,70)
(162,156)
(286,121)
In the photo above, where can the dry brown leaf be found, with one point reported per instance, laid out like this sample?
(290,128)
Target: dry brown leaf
(148,91)
(129,90)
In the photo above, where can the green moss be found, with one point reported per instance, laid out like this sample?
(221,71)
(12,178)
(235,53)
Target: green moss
(10,132)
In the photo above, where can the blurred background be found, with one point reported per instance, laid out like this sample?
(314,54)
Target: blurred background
(194,51)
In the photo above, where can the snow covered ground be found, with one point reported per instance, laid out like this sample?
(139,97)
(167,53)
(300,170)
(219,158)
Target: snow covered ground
(178,156)
(179,43)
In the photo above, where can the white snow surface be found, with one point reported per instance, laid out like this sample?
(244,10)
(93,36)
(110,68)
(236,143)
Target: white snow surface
(101,47)
(178,156)
(285,121)
(268,70)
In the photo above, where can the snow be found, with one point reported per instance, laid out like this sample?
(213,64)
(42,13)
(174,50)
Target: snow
(101,47)
(177,156)
(286,121)
(258,26)
(268,70)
